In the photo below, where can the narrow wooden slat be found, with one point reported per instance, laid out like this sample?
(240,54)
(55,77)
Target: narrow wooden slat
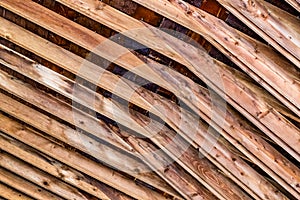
(130,125)
(41,179)
(66,59)
(88,145)
(53,167)
(163,165)
(203,23)
(232,167)
(270,22)
(157,81)
(12,194)
(51,74)
(258,60)
(75,160)
(163,83)
(295,4)
(141,32)
(24,186)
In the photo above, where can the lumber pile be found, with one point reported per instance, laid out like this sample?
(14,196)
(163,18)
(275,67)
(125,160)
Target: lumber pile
(156,99)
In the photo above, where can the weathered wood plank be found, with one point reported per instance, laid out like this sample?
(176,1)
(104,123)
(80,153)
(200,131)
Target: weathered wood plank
(75,160)
(153,38)
(270,22)
(295,4)
(131,124)
(39,178)
(260,126)
(66,59)
(11,194)
(200,21)
(53,167)
(164,165)
(143,72)
(24,186)
(233,167)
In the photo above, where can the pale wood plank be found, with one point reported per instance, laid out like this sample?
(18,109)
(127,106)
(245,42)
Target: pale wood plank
(12,194)
(24,186)
(143,72)
(53,167)
(155,39)
(276,26)
(75,160)
(39,178)
(200,139)
(200,22)
(66,59)
(295,4)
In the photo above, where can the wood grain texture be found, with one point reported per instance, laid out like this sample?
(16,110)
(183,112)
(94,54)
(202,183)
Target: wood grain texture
(39,178)
(10,193)
(67,59)
(24,186)
(108,109)
(141,32)
(55,168)
(123,118)
(256,60)
(75,160)
(295,4)
(270,22)
(200,138)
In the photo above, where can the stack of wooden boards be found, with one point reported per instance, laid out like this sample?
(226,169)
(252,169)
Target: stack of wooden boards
(149,99)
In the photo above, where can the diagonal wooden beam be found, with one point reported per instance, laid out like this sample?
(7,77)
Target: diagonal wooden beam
(36,78)
(25,186)
(10,193)
(76,160)
(54,167)
(155,39)
(276,26)
(200,139)
(295,4)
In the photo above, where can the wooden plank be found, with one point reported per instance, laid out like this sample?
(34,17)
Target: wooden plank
(260,62)
(270,22)
(24,186)
(12,194)
(200,22)
(274,138)
(200,139)
(278,140)
(39,178)
(87,145)
(77,161)
(164,165)
(105,104)
(138,129)
(55,168)
(153,38)
(295,4)
(66,59)
(102,101)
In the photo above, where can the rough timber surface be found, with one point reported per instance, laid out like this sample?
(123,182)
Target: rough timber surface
(81,137)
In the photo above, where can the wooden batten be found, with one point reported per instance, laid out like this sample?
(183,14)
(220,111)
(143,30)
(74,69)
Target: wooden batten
(199,139)
(277,27)
(295,4)
(11,193)
(75,125)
